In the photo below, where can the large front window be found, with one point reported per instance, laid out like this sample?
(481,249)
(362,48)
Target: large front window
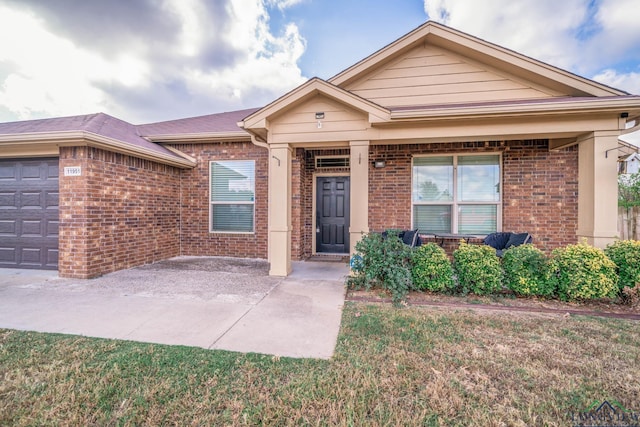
(456,194)
(232,196)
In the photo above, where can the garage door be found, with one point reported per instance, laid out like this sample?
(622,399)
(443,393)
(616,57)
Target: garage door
(29,213)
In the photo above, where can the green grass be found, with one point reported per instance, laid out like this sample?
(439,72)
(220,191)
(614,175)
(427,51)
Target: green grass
(413,366)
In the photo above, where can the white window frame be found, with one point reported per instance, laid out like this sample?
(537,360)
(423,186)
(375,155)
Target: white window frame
(242,202)
(455,203)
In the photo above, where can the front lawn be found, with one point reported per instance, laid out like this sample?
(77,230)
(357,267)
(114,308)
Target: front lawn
(413,366)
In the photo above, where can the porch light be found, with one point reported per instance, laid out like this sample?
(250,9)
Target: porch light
(319,116)
(379,164)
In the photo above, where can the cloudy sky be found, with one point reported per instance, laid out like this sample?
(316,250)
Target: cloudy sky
(152,60)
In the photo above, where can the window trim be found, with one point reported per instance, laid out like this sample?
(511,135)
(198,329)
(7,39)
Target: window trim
(454,203)
(243,202)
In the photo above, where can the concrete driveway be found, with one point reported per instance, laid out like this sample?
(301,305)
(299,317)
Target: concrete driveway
(214,303)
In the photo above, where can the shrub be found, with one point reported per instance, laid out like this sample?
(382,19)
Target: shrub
(384,262)
(626,255)
(631,295)
(478,269)
(582,272)
(431,269)
(525,271)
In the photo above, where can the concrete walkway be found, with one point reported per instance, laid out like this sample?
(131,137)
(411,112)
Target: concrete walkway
(214,303)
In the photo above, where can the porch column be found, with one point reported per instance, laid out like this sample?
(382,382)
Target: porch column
(598,188)
(280,209)
(359,196)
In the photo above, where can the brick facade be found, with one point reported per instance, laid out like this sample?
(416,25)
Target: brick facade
(125,211)
(121,212)
(196,239)
(540,187)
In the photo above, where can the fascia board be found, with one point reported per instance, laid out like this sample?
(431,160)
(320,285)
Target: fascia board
(444,37)
(201,136)
(477,49)
(312,88)
(541,108)
(84,138)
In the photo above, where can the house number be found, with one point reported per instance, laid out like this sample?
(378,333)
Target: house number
(72,171)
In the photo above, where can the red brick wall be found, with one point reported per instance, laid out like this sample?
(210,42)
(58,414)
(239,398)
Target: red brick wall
(540,188)
(540,193)
(298,193)
(121,212)
(196,239)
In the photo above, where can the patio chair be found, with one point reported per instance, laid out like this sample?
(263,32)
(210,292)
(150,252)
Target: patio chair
(501,241)
(410,238)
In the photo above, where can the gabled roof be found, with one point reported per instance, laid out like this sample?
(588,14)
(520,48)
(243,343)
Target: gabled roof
(482,51)
(313,87)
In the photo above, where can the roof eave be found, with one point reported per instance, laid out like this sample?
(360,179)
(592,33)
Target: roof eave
(450,38)
(315,86)
(239,135)
(595,105)
(84,138)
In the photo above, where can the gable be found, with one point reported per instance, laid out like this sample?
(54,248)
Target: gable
(516,66)
(299,124)
(430,75)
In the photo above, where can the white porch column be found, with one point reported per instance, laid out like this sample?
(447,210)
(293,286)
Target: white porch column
(359,196)
(280,209)
(598,188)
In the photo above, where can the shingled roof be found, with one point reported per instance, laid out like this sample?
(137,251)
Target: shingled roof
(210,124)
(115,132)
(99,124)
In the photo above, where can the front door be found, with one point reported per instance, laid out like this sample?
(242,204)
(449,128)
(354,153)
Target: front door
(332,214)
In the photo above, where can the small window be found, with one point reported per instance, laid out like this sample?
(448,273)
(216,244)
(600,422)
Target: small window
(232,196)
(332,162)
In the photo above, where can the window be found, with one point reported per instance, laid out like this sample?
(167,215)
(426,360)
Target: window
(232,196)
(456,194)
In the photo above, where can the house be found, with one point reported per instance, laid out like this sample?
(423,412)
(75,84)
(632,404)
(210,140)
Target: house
(439,131)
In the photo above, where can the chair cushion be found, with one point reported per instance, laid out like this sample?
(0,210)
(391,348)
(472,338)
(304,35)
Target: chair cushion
(409,237)
(497,240)
(517,239)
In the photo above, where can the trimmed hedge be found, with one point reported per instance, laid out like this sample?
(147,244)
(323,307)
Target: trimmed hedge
(525,271)
(626,255)
(477,268)
(582,271)
(432,269)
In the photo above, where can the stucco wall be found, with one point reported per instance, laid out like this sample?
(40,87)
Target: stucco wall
(196,239)
(120,213)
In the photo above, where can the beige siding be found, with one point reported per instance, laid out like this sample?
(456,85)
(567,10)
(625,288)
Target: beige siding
(429,75)
(301,119)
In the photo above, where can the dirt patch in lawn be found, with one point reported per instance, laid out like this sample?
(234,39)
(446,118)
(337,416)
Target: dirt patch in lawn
(602,308)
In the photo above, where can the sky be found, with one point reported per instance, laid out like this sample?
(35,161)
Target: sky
(152,60)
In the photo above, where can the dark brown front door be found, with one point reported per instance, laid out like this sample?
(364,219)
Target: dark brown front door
(29,213)
(332,214)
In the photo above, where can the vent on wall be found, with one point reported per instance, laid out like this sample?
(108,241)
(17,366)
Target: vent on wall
(332,162)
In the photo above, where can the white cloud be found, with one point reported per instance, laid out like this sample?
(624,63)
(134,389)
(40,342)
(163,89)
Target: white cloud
(629,82)
(217,57)
(269,64)
(569,34)
(50,75)
(283,4)
(539,28)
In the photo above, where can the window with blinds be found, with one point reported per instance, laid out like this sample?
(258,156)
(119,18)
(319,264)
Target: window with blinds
(232,196)
(456,194)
